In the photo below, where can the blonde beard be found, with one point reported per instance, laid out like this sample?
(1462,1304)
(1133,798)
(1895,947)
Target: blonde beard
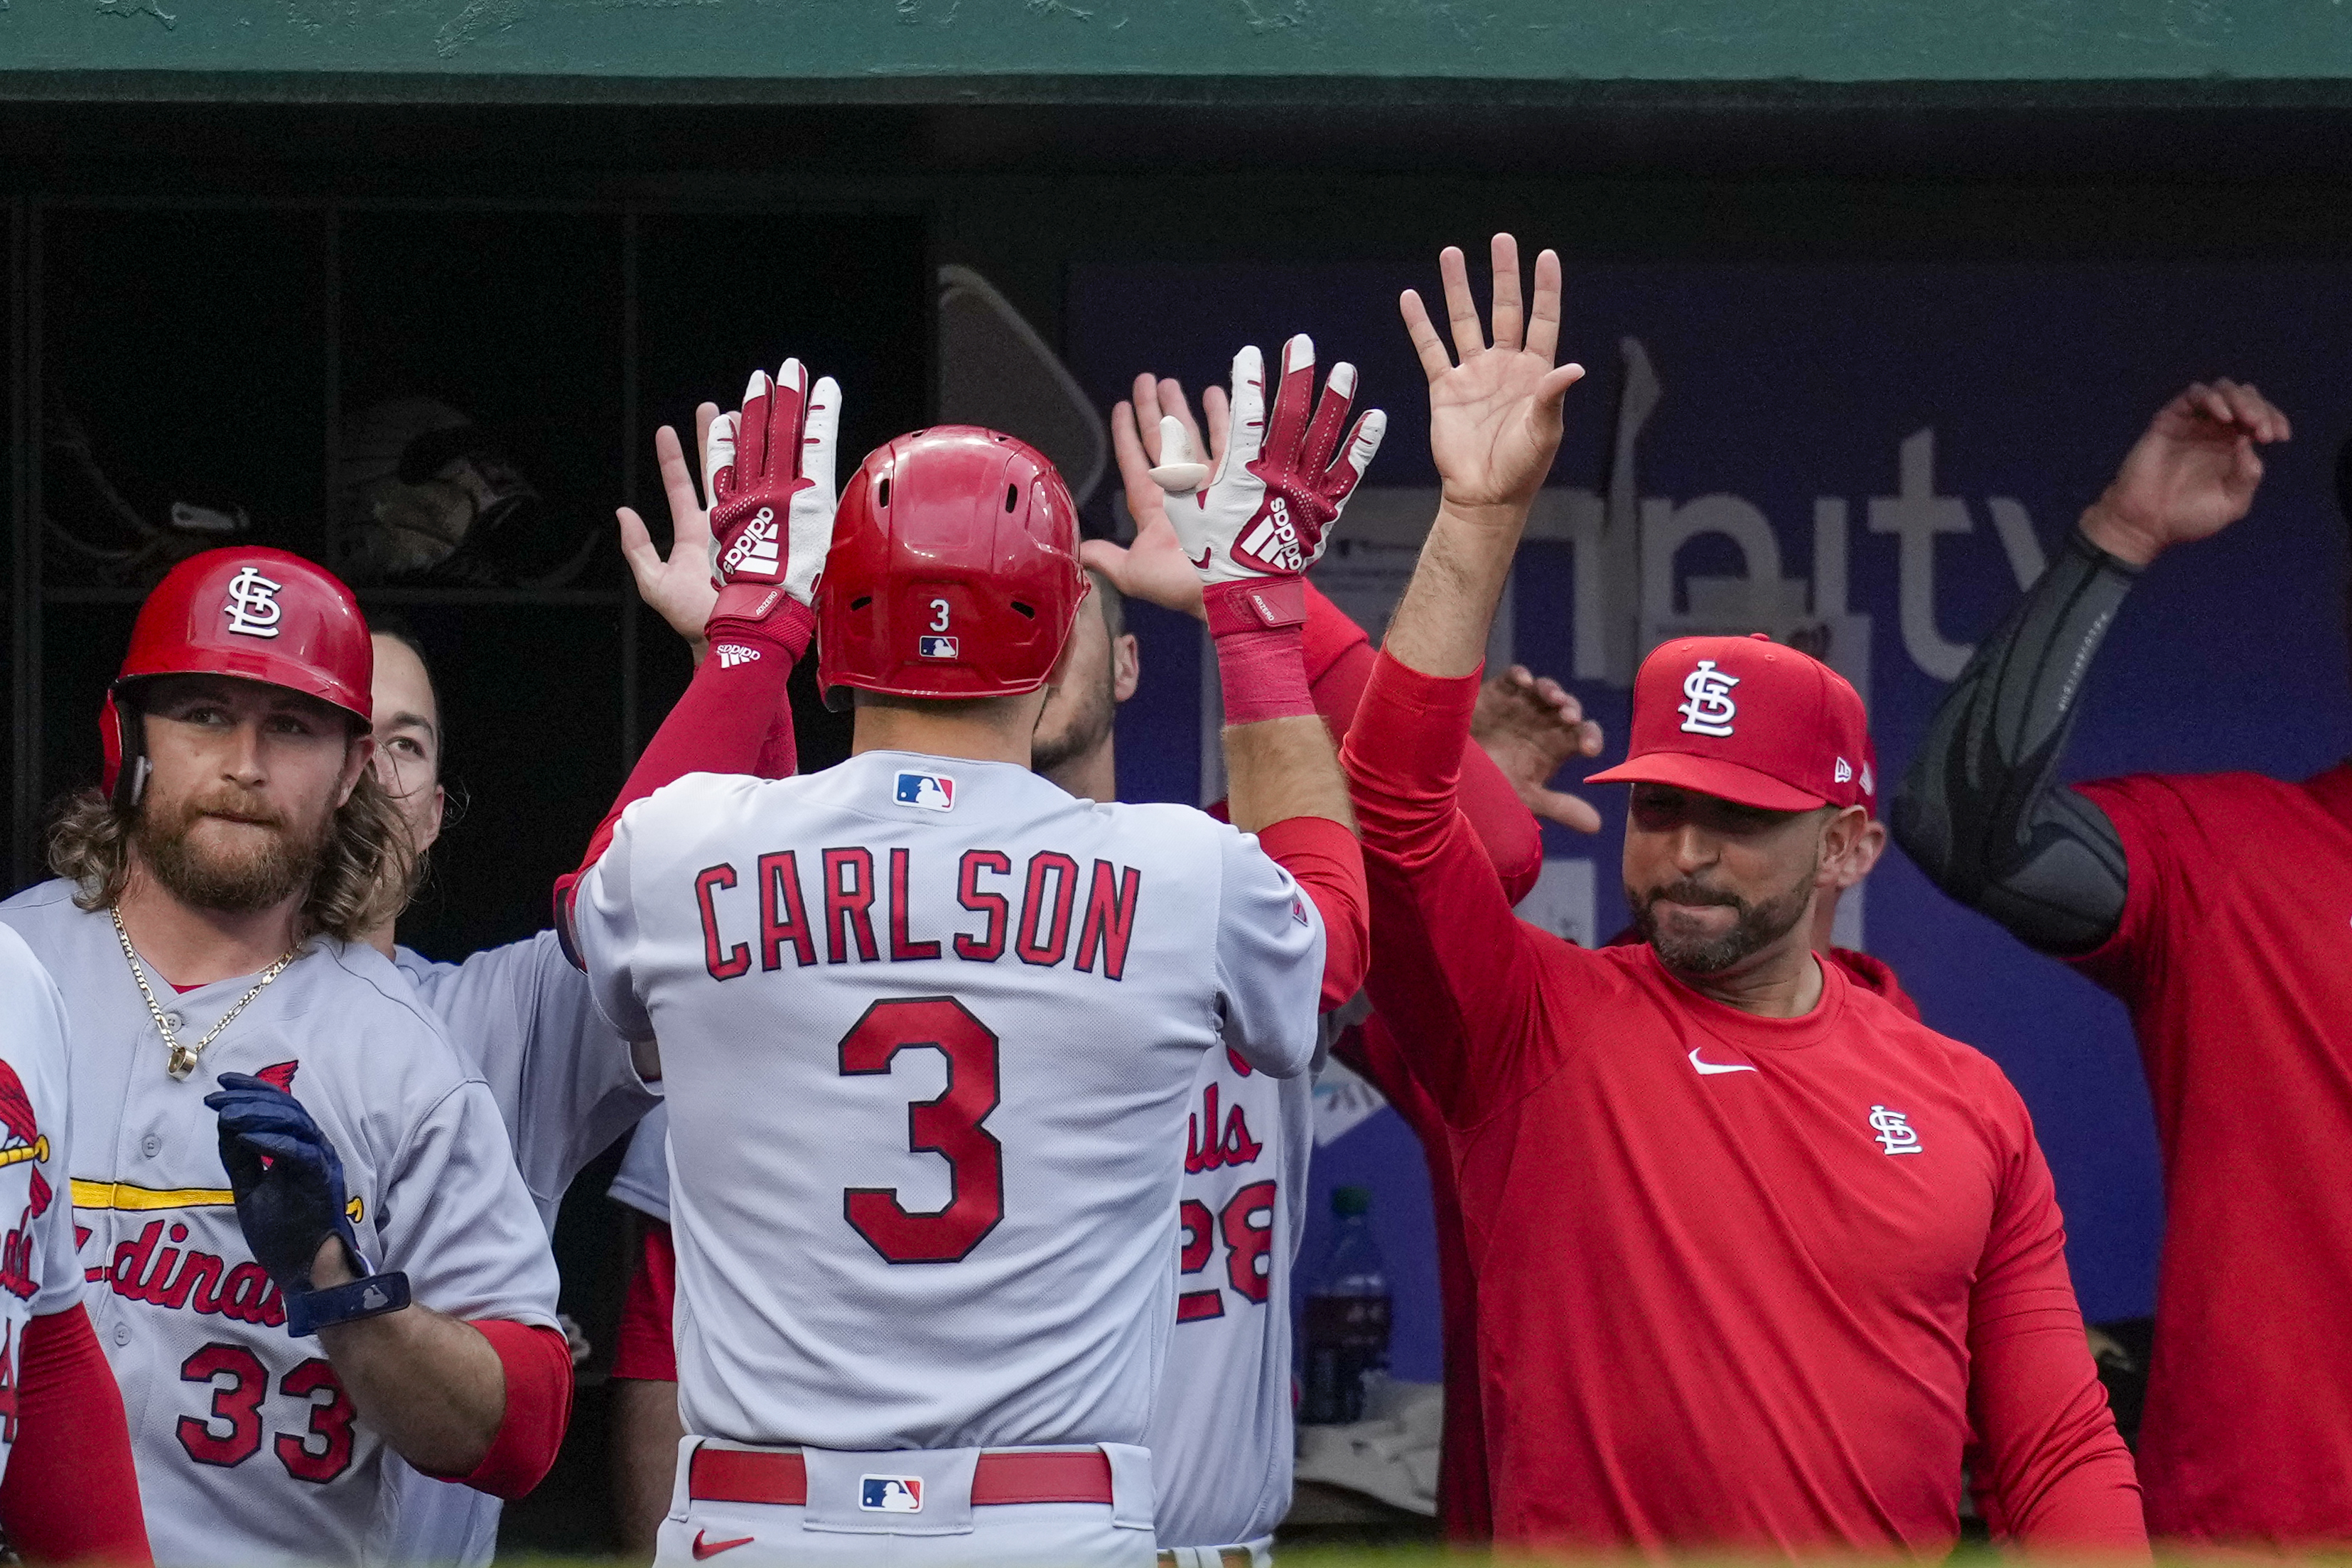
(203,878)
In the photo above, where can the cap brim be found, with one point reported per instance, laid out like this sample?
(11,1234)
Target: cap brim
(1710,776)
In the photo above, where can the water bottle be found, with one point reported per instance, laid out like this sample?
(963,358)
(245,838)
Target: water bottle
(1346,1332)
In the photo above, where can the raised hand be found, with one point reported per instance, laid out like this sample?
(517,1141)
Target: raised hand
(1531,727)
(2190,475)
(771,491)
(1494,417)
(678,588)
(1154,567)
(1269,508)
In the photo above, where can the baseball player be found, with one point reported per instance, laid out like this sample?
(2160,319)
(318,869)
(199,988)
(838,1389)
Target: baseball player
(67,1490)
(519,1016)
(2213,907)
(1823,1234)
(974,1303)
(304,1240)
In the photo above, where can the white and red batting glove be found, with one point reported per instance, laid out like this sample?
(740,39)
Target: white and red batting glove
(1254,530)
(770,470)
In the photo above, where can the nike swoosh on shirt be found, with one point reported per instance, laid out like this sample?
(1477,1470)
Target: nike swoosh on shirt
(1710,1068)
(714,1548)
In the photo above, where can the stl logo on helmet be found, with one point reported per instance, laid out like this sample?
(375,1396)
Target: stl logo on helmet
(1707,707)
(253,609)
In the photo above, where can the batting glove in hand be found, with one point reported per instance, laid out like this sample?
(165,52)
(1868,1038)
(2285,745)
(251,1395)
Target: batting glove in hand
(770,469)
(1270,508)
(288,1180)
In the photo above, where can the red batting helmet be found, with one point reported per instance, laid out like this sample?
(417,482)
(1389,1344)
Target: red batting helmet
(953,573)
(258,614)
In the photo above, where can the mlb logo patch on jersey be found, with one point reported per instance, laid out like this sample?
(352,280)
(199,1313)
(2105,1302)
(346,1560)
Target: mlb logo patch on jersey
(890,1494)
(938,647)
(932,791)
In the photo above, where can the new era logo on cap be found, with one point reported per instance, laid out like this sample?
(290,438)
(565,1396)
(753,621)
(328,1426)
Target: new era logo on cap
(890,1494)
(932,791)
(1748,720)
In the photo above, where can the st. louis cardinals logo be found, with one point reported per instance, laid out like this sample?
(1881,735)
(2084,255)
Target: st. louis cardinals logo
(21,1141)
(756,547)
(1708,708)
(253,609)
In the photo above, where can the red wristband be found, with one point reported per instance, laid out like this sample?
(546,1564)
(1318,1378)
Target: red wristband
(1259,626)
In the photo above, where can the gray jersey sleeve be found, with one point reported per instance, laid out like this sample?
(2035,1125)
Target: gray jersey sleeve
(604,935)
(1269,959)
(522,1017)
(455,1216)
(1981,809)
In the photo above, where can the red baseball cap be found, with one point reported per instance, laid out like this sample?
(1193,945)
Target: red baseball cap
(1748,720)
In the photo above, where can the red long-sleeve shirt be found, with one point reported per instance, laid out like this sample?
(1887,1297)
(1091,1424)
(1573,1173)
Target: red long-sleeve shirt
(1741,1282)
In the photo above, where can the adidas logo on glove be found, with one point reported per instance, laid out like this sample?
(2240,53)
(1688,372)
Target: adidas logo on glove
(757,549)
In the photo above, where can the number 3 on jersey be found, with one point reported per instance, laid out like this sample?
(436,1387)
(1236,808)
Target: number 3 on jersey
(949,1127)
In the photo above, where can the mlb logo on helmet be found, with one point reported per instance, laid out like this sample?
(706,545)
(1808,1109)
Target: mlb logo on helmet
(939,648)
(932,791)
(890,1494)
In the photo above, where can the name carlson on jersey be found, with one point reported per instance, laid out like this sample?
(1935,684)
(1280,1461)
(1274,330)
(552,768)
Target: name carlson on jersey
(1051,924)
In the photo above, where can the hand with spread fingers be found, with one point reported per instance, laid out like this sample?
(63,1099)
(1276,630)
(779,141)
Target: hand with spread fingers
(2190,475)
(770,467)
(1154,434)
(1267,510)
(678,587)
(1532,727)
(1494,416)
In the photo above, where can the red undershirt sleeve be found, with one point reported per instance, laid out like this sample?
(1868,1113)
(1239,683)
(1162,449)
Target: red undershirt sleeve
(2057,1478)
(1323,855)
(1451,970)
(1340,660)
(734,718)
(70,1494)
(537,1364)
(645,1347)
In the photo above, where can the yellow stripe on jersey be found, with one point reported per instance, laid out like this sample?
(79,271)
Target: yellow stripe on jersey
(122,1195)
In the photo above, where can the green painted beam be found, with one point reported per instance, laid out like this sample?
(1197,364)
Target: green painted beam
(944,49)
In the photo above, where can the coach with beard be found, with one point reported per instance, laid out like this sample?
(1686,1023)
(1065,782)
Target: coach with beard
(305,1242)
(1756,1254)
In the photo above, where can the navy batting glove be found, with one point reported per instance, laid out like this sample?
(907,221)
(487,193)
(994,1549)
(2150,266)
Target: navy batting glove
(288,1180)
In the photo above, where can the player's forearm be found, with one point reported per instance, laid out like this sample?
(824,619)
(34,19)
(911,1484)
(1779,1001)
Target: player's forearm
(645,1460)
(1284,767)
(1981,809)
(70,1495)
(1440,626)
(432,1387)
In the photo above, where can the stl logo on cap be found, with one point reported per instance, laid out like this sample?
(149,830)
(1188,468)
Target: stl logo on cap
(1708,708)
(253,609)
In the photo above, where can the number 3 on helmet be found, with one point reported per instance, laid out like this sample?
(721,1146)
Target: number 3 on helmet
(953,572)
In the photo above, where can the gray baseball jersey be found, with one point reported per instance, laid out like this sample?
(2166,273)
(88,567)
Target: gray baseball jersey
(39,1274)
(643,1180)
(929,1027)
(1221,1435)
(521,1016)
(249,1450)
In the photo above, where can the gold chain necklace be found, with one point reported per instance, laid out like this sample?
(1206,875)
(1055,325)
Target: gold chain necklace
(184,1057)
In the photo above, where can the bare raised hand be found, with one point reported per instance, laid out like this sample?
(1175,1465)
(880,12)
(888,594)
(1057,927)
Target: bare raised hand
(678,588)
(2190,475)
(1495,415)
(1154,567)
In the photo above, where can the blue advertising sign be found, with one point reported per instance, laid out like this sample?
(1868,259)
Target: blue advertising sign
(1872,461)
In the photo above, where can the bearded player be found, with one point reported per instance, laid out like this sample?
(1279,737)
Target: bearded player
(993,1311)
(2213,907)
(1823,1234)
(305,1242)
